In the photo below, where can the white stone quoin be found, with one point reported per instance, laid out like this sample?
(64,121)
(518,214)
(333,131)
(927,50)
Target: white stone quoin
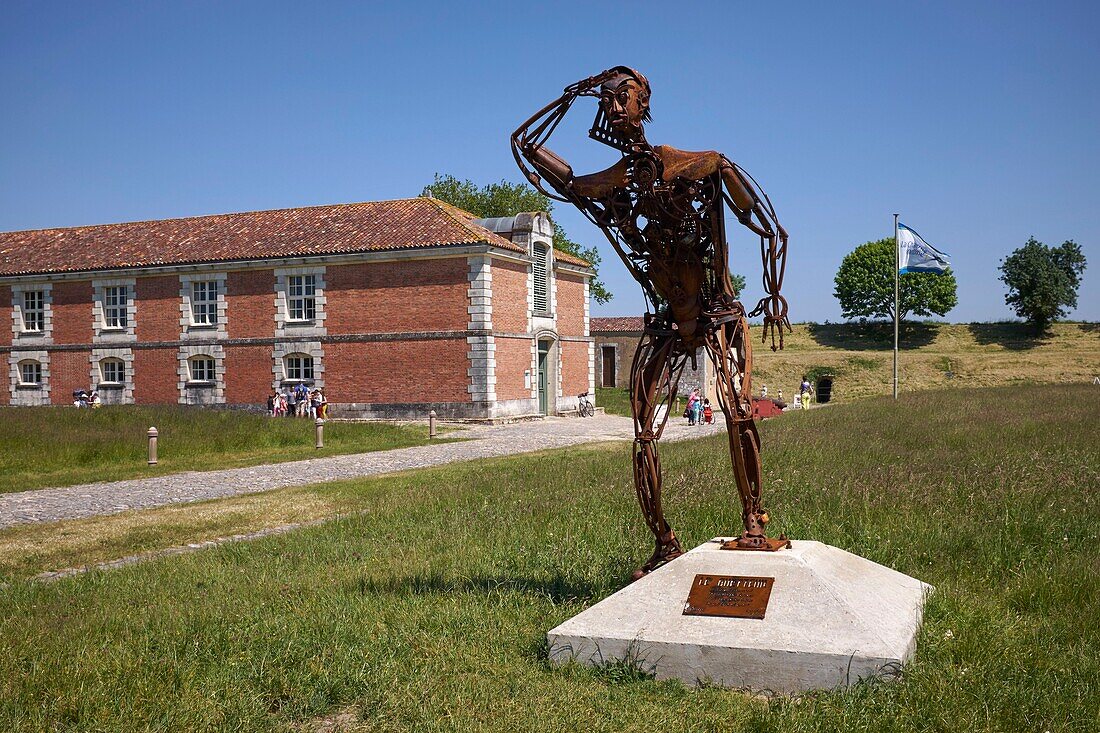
(833,618)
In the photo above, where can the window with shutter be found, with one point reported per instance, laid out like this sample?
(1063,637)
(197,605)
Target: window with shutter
(541,278)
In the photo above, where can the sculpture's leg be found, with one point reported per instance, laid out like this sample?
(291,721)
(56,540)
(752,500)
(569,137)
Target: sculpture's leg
(653,378)
(731,353)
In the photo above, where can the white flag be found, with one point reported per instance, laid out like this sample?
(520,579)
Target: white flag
(918,255)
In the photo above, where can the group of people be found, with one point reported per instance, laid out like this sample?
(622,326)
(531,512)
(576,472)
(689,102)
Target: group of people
(801,400)
(298,401)
(86,398)
(699,410)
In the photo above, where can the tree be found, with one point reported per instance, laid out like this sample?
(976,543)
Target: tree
(737,282)
(509,199)
(865,285)
(1042,281)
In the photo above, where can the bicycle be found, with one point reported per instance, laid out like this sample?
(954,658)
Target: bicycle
(585,406)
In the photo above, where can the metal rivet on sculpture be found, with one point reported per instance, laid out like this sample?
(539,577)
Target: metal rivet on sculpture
(663,210)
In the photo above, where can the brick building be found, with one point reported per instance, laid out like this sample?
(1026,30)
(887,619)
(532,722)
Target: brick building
(616,340)
(392,307)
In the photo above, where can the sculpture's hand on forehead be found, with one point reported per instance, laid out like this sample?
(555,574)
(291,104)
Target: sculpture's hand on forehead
(589,87)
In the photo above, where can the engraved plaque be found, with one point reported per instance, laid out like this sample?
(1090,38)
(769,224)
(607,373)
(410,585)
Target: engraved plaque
(737,596)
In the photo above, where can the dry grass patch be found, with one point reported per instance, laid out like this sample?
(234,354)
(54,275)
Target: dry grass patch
(975,355)
(344,721)
(933,356)
(31,549)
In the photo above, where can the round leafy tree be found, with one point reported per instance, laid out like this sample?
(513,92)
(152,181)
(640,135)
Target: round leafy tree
(1042,281)
(865,285)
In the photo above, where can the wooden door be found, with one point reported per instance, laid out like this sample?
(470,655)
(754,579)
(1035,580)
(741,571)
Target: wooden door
(609,366)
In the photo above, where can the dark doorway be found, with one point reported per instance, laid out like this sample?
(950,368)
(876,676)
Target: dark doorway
(609,366)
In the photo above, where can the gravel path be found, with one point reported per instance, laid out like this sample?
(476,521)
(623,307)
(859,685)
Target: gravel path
(87,500)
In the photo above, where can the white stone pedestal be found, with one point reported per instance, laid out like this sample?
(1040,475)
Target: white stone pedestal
(833,618)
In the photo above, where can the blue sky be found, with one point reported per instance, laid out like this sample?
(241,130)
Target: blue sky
(978,122)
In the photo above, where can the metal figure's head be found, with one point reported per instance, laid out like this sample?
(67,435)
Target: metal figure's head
(624,109)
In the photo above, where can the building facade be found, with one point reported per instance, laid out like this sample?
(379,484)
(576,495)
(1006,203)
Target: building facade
(616,341)
(393,308)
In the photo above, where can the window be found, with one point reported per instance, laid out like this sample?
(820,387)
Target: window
(30,372)
(34,310)
(204,302)
(202,369)
(541,278)
(114,306)
(112,371)
(301,303)
(299,368)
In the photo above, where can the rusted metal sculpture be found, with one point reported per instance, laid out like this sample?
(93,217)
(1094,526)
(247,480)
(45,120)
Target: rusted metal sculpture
(663,210)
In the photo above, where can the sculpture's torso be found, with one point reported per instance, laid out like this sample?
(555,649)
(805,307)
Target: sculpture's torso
(667,208)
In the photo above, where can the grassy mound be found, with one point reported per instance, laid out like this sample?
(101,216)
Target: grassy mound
(932,356)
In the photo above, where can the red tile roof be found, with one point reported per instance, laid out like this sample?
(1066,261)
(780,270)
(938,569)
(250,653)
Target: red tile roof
(571,259)
(619,323)
(371,226)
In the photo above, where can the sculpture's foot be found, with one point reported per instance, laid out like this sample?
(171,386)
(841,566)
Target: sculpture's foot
(757,542)
(668,549)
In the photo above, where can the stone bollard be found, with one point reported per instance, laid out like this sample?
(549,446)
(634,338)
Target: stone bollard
(431,424)
(152,446)
(320,433)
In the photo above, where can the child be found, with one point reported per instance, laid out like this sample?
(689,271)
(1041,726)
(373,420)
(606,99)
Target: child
(708,412)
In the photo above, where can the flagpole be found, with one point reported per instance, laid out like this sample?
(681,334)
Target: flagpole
(897,266)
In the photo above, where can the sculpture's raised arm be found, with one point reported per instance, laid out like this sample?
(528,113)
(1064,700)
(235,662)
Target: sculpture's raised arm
(755,211)
(529,139)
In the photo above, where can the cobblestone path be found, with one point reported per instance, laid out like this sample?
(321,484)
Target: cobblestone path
(86,500)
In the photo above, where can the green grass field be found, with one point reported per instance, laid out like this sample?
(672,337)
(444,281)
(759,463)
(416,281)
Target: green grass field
(614,400)
(62,446)
(425,606)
